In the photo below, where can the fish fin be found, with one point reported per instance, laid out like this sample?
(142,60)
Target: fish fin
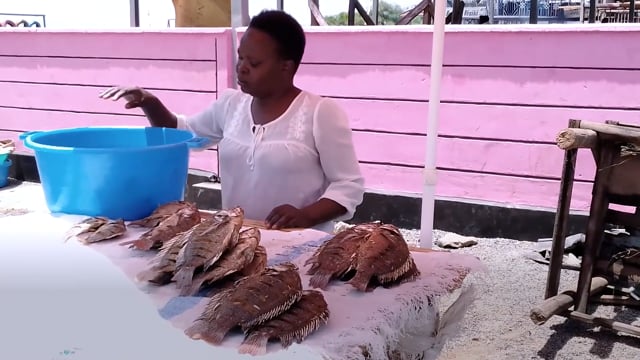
(184,277)
(320,280)
(360,281)
(254,344)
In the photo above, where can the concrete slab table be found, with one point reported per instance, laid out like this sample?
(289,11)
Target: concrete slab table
(72,301)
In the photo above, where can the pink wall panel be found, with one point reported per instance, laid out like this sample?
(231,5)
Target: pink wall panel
(178,44)
(530,86)
(85,98)
(506,122)
(511,190)
(538,45)
(159,74)
(499,157)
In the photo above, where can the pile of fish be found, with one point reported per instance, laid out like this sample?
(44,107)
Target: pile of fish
(267,305)
(215,251)
(365,255)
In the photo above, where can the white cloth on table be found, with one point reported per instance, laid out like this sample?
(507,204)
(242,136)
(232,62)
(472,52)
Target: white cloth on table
(68,297)
(305,154)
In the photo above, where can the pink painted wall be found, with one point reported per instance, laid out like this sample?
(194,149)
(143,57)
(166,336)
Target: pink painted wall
(506,92)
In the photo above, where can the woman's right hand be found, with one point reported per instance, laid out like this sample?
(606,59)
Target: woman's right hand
(135,96)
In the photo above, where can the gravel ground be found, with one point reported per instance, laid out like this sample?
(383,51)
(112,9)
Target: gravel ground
(498,325)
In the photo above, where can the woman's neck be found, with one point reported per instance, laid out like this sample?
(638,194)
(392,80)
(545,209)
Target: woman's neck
(266,109)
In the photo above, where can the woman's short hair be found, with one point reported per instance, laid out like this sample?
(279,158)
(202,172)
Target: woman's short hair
(285,30)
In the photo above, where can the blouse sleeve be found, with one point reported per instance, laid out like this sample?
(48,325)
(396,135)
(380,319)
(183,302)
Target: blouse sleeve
(209,123)
(334,142)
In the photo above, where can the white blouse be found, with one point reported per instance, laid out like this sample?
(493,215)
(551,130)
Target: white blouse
(305,154)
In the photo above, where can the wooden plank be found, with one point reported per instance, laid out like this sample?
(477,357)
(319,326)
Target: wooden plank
(527,47)
(159,74)
(521,86)
(523,123)
(501,157)
(85,99)
(202,160)
(509,190)
(136,44)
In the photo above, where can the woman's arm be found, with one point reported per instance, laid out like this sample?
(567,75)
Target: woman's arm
(334,142)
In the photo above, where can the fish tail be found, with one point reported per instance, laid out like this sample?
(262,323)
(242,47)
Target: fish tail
(210,332)
(360,281)
(254,344)
(146,275)
(192,289)
(184,277)
(320,280)
(140,244)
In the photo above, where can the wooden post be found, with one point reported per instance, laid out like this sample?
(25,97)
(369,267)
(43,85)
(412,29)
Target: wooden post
(562,218)
(562,302)
(597,213)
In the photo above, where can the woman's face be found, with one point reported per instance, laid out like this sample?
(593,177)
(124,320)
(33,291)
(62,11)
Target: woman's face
(260,68)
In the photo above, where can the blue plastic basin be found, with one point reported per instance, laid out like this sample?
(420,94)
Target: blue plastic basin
(4,173)
(116,172)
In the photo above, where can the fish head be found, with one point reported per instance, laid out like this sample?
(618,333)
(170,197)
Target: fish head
(252,232)
(285,266)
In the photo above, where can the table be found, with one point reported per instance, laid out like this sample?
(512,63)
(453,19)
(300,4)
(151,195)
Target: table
(82,302)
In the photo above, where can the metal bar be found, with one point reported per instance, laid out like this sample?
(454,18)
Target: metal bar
(351,13)
(533,12)
(592,11)
(280,5)
(134,13)
(375,5)
(632,11)
(314,22)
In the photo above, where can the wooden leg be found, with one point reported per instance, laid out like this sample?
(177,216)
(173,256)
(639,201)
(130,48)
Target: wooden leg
(595,231)
(560,225)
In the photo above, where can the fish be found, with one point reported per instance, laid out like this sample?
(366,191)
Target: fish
(205,244)
(294,325)
(184,219)
(252,301)
(161,213)
(384,256)
(110,230)
(163,265)
(256,266)
(234,260)
(85,226)
(336,257)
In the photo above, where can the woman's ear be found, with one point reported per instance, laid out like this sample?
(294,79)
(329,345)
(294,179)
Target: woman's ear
(288,65)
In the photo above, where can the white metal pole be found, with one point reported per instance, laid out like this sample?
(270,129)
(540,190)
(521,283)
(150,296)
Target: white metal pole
(428,193)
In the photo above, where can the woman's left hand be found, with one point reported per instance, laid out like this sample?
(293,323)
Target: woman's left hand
(287,216)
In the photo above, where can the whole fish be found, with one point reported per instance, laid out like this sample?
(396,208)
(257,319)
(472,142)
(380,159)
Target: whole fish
(232,260)
(161,213)
(252,301)
(256,266)
(184,219)
(303,318)
(85,226)
(163,265)
(335,258)
(384,256)
(205,244)
(111,230)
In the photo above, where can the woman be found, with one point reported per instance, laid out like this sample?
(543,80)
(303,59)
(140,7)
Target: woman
(286,155)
